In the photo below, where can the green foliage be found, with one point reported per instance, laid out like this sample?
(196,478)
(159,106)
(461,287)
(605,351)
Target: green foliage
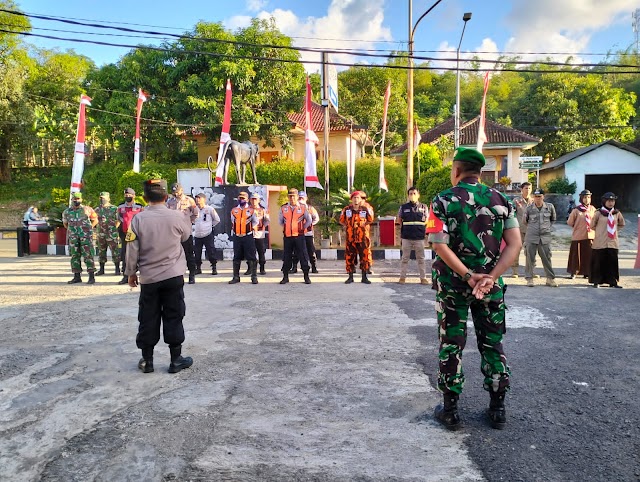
(34,185)
(60,195)
(560,185)
(434,181)
(283,172)
(428,157)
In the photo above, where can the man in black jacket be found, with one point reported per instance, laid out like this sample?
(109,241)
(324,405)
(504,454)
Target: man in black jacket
(413,220)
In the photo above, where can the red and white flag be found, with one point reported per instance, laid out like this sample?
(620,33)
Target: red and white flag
(416,137)
(382,180)
(482,136)
(224,136)
(310,142)
(142,98)
(78,156)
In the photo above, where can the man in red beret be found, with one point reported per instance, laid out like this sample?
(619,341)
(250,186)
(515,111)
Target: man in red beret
(356,218)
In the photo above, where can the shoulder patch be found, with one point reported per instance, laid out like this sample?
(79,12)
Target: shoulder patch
(434,224)
(131,236)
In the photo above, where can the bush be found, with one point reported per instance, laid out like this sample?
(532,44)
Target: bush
(434,181)
(560,185)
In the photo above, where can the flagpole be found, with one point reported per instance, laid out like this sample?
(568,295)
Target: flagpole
(325,105)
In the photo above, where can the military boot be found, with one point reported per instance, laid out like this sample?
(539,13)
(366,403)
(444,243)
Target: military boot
(496,412)
(364,279)
(307,280)
(314,269)
(248,272)
(100,272)
(192,277)
(124,280)
(76,279)
(262,270)
(253,269)
(349,279)
(146,362)
(447,413)
(236,273)
(179,362)
(117,272)
(198,269)
(92,279)
(214,269)
(285,278)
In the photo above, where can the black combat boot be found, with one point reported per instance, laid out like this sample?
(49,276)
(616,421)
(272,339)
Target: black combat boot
(146,362)
(179,362)
(314,270)
(447,413)
(496,412)
(236,273)
(117,272)
(198,269)
(294,269)
(214,269)
(307,280)
(285,278)
(76,279)
(364,279)
(349,279)
(248,272)
(100,272)
(253,269)
(262,270)
(124,280)
(92,279)
(192,277)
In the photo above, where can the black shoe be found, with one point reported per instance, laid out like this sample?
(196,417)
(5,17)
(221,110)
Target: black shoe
(214,271)
(198,270)
(572,276)
(192,278)
(615,286)
(497,413)
(76,279)
(146,366)
(100,272)
(180,363)
(92,279)
(307,280)
(285,279)
(447,413)
(293,270)
(365,280)
(234,280)
(262,270)
(595,285)
(314,270)
(248,272)
(124,281)
(349,279)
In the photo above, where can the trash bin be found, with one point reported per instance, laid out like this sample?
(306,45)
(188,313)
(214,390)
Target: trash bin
(38,235)
(387,230)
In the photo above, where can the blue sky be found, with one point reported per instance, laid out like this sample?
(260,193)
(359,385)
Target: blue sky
(576,26)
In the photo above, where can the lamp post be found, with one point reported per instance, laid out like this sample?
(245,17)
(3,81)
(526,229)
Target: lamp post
(410,139)
(456,133)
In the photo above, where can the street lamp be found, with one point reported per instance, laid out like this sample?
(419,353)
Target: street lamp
(456,133)
(410,134)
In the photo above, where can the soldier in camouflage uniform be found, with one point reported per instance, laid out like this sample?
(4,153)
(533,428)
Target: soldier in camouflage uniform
(80,221)
(108,236)
(466,226)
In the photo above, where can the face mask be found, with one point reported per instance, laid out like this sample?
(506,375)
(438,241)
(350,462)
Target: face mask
(77,203)
(128,199)
(103,202)
(243,202)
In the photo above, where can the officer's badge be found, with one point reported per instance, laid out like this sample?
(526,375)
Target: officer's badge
(348,213)
(363,214)
(131,236)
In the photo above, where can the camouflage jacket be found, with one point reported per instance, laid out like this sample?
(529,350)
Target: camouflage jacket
(79,220)
(107,218)
(470,218)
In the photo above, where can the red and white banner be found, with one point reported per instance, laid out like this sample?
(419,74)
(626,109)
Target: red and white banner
(417,137)
(310,142)
(225,136)
(142,98)
(482,136)
(78,156)
(382,180)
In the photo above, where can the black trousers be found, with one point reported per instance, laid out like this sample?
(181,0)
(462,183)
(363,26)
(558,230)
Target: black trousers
(244,247)
(123,250)
(161,302)
(187,246)
(298,244)
(209,249)
(261,249)
(311,251)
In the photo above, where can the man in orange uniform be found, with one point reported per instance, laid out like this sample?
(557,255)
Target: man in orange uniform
(356,218)
(294,218)
(243,223)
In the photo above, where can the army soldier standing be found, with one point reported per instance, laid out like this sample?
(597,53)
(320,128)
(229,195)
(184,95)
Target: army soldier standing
(126,211)
(154,248)
(107,233)
(243,224)
(187,206)
(466,226)
(356,218)
(539,217)
(80,221)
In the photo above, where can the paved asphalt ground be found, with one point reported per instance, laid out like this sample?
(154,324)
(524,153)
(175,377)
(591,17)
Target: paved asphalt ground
(311,383)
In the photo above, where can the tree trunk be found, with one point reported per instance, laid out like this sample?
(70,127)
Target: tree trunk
(5,160)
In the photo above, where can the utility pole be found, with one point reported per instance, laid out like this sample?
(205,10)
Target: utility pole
(326,106)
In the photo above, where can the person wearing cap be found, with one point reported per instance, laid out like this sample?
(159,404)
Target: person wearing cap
(539,218)
(369,252)
(243,224)
(187,206)
(582,236)
(80,221)
(466,226)
(521,203)
(308,236)
(154,250)
(203,233)
(126,211)
(107,237)
(259,233)
(356,219)
(607,221)
(413,223)
(294,217)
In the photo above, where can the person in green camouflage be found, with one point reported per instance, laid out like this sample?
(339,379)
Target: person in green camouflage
(80,221)
(108,236)
(466,226)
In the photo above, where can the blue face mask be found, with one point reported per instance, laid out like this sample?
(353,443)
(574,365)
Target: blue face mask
(242,202)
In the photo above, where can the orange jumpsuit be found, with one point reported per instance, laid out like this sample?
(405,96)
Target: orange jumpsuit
(358,243)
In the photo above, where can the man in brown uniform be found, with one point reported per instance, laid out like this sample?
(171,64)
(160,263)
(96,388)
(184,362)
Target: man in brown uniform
(154,248)
(187,206)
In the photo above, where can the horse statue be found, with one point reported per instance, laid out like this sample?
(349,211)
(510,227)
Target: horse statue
(240,154)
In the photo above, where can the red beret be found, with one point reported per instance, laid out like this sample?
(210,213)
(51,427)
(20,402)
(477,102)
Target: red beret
(356,193)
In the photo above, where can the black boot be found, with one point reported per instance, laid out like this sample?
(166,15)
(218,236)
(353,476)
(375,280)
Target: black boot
(214,269)
(199,269)
(146,362)
(124,280)
(294,269)
(447,413)
(285,279)
(179,362)
(192,277)
(248,272)
(365,280)
(236,273)
(100,272)
(307,281)
(349,279)
(262,270)
(92,279)
(314,270)
(253,270)
(497,413)
(76,279)
(117,272)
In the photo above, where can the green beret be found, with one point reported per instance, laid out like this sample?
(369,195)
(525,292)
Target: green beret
(76,195)
(466,154)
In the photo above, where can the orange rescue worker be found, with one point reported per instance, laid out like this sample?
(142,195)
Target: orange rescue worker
(364,201)
(294,218)
(356,218)
(243,224)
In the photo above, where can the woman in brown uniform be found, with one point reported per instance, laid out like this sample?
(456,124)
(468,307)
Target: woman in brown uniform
(604,259)
(580,220)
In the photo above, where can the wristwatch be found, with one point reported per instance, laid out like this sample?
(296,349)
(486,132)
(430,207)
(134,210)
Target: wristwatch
(467,275)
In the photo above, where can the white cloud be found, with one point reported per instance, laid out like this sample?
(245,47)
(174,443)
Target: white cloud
(256,5)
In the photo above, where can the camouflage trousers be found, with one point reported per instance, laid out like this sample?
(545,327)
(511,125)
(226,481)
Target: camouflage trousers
(488,315)
(108,240)
(353,251)
(81,247)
